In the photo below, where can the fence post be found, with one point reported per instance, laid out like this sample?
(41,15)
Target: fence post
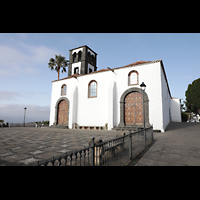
(144,137)
(92,152)
(130,145)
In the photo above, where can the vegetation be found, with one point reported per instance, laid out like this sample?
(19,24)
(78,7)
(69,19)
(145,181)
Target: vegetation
(184,116)
(193,97)
(46,123)
(43,122)
(58,63)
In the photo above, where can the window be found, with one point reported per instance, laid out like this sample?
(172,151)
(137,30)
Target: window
(76,70)
(133,78)
(79,56)
(64,90)
(92,60)
(89,57)
(74,57)
(92,89)
(90,70)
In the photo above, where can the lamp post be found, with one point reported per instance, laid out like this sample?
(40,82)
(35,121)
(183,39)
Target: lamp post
(143,87)
(24,115)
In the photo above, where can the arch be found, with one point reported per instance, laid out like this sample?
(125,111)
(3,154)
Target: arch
(63,89)
(133,77)
(122,106)
(92,89)
(57,107)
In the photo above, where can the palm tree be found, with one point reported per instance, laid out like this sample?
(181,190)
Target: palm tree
(57,63)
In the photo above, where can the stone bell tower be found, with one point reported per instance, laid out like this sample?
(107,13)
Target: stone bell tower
(82,60)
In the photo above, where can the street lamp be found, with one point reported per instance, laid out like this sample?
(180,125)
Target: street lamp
(24,115)
(143,87)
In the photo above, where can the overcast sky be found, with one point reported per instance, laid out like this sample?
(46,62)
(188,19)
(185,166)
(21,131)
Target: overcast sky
(25,78)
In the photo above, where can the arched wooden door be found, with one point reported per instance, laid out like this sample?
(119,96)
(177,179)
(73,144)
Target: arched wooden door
(63,112)
(133,109)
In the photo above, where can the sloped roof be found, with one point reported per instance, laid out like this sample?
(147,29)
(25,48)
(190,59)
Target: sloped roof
(104,70)
(132,64)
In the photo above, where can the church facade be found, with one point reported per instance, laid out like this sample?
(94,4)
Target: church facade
(112,98)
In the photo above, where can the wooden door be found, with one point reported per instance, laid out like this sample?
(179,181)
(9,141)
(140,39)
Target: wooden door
(134,109)
(63,112)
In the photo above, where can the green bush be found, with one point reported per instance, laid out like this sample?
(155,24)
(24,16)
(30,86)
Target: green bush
(184,116)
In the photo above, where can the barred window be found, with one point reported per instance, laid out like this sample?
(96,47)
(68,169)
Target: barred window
(92,89)
(64,90)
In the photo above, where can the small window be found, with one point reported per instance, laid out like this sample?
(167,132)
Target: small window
(133,78)
(90,70)
(64,90)
(92,89)
(89,57)
(79,56)
(92,60)
(74,57)
(76,70)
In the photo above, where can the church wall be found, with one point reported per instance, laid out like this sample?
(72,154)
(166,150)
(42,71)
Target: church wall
(150,75)
(110,86)
(52,107)
(166,100)
(94,111)
(71,96)
(175,110)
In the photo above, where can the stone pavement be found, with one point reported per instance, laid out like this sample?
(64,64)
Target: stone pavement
(178,146)
(27,145)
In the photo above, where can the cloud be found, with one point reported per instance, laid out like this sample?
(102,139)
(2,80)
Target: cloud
(14,113)
(22,58)
(70,40)
(9,95)
(22,35)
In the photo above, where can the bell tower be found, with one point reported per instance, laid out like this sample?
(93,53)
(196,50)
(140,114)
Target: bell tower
(82,60)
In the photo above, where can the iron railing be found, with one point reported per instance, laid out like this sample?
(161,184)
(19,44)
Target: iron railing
(114,152)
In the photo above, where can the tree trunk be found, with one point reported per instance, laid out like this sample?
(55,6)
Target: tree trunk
(58,73)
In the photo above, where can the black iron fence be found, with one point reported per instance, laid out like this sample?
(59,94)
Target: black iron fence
(114,152)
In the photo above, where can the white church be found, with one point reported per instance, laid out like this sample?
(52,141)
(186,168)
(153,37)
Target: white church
(112,99)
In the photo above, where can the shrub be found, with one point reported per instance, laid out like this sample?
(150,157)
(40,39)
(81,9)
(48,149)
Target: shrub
(184,116)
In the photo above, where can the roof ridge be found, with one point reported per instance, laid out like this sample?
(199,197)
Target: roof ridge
(139,62)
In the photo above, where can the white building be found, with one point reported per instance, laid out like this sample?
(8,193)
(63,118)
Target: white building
(112,98)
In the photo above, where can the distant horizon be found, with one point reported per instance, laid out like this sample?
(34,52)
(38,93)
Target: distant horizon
(27,122)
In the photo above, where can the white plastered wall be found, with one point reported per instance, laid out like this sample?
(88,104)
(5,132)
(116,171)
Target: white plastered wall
(110,86)
(175,110)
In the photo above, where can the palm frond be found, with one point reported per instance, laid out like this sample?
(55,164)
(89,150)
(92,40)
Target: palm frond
(58,63)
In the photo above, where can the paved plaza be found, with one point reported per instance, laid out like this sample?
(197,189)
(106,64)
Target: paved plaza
(24,146)
(178,146)
(21,146)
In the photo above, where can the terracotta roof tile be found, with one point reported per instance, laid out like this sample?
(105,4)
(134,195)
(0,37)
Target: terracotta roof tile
(104,70)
